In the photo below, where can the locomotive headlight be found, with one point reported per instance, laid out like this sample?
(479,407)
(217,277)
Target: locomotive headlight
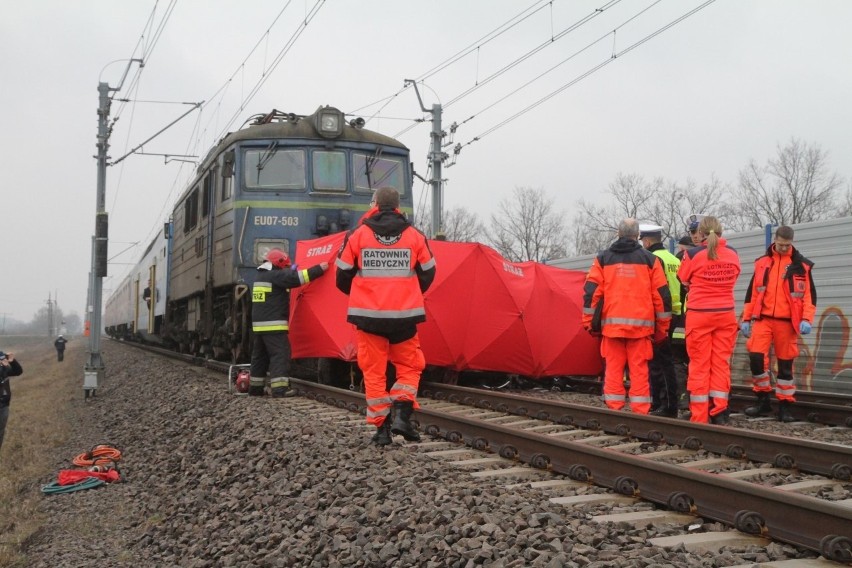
(329,122)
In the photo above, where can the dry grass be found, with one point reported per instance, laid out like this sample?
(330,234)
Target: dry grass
(40,421)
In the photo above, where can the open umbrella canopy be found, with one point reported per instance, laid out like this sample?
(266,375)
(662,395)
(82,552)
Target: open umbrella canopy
(483,313)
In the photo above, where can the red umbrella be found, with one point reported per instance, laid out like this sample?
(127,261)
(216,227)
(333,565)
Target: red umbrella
(318,326)
(486,313)
(483,313)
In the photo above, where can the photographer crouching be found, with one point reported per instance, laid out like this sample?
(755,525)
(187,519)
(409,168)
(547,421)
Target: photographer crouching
(9,367)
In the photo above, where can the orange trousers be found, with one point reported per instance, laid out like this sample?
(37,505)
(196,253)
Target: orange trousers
(710,339)
(780,334)
(374,352)
(619,352)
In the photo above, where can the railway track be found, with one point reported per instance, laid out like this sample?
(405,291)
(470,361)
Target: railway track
(715,473)
(811,406)
(766,487)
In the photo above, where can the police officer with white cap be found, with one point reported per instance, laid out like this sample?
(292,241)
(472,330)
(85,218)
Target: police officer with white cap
(661,370)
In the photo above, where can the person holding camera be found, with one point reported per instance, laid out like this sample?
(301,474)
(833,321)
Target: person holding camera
(9,367)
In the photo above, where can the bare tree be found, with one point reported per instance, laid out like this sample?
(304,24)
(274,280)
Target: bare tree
(794,187)
(527,227)
(460,225)
(845,208)
(662,202)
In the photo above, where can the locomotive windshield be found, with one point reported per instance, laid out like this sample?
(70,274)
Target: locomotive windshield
(271,168)
(329,170)
(372,172)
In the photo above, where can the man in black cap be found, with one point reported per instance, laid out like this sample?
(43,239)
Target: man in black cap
(684,244)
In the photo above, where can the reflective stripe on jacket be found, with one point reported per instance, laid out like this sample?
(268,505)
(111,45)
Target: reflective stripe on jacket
(784,288)
(626,293)
(385,265)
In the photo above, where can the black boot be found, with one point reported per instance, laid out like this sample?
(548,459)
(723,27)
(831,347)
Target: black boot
(722,419)
(784,414)
(382,437)
(282,392)
(402,410)
(255,391)
(763,408)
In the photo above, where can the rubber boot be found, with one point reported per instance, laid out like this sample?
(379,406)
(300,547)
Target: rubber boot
(721,419)
(382,437)
(282,392)
(402,410)
(763,408)
(784,414)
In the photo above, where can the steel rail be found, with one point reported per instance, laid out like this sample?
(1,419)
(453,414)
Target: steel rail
(789,453)
(811,523)
(810,406)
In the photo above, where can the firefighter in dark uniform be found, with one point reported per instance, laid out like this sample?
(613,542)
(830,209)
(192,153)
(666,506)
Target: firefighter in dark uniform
(385,266)
(270,310)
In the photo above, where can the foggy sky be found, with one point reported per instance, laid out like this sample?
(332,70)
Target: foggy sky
(726,85)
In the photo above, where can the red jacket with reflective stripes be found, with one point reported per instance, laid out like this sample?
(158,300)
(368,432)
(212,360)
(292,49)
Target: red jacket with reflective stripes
(626,293)
(385,265)
(784,288)
(710,283)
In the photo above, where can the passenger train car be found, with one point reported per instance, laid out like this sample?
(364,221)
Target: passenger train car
(279,179)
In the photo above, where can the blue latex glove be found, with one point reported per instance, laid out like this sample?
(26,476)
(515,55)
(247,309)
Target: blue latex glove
(745,328)
(804,328)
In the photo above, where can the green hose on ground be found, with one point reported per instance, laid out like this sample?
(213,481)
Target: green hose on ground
(88,483)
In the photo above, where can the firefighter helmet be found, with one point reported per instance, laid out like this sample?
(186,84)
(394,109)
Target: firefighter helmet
(243,381)
(278,258)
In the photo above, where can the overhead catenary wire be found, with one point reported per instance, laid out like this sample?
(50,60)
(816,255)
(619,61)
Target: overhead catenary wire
(553,39)
(587,73)
(496,32)
(566,60)
(268,71)
(576,25)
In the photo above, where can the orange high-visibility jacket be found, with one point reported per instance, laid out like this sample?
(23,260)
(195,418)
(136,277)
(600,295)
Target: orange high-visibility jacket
(385,265)
(784,288)
(710,282)
(626,293)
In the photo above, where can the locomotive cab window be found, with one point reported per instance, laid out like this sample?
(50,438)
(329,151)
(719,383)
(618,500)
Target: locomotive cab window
(372,172)
(273,168)
(329,169)
(190,211)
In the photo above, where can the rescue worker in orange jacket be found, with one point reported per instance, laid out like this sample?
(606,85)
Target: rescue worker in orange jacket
(627,301)
(385,266)
(780,303)
(710,272)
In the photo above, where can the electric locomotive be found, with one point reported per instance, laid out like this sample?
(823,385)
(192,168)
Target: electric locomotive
(279,179)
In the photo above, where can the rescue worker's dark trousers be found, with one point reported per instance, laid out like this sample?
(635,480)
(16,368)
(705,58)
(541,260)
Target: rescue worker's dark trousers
(270,352)
(4,417)
(661,375)
(60,354)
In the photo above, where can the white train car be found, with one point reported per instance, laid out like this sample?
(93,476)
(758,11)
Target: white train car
(137,307)
(825,359)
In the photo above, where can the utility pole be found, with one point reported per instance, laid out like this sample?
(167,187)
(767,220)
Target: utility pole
(49,316)
(436,160)
(93,371)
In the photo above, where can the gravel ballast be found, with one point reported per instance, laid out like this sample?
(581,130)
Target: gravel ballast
(214,479)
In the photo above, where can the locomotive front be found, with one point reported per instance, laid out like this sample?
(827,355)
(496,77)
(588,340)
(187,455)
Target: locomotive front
(281,179)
